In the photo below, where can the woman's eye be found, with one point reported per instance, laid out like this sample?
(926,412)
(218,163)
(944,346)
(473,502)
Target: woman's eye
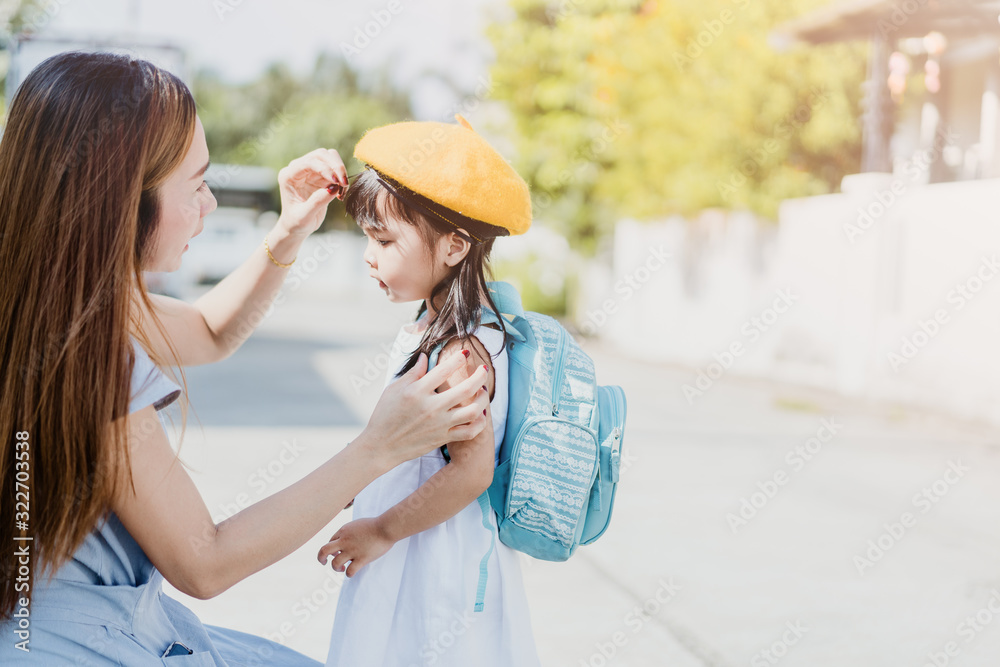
(382,243)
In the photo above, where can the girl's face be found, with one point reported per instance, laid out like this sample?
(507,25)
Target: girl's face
(398,257)
(184,201)
(407,270)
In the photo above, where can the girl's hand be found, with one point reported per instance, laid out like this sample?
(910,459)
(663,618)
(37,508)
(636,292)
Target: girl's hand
(411,419)
(359,542)
(307,185)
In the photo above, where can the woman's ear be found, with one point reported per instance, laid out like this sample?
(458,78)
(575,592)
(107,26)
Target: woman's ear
(455,248)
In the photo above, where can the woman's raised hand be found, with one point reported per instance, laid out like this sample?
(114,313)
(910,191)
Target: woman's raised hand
(305,186)
(412,419)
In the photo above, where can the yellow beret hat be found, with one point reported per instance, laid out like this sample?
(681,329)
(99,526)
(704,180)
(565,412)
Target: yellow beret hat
(453,167)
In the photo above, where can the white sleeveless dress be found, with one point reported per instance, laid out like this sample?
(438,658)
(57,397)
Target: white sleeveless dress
(414,606)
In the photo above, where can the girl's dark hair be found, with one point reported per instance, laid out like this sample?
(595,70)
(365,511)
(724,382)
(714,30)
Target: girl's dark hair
(369,203)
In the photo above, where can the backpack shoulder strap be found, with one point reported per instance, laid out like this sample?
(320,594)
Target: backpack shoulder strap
(506,298)
(484,499)
(508,301)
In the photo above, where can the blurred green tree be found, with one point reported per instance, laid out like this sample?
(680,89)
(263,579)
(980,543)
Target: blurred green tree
(278,117)
(651,108)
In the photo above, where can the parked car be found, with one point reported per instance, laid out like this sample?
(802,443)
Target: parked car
(230,236)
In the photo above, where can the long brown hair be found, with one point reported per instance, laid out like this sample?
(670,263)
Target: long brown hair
(89,139)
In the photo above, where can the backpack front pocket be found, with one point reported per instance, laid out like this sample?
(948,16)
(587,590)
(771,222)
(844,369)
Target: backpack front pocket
(553,463)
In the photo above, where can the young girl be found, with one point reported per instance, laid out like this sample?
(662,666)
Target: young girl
(414,551)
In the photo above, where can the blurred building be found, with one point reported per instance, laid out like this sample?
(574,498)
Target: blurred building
(887,290)
(933,64)
(28,50)
(42,30)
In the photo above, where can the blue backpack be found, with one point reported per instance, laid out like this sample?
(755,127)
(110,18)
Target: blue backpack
(554,486)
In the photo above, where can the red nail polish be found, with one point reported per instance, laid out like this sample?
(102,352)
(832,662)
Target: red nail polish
(466,353)
(332,189)
(486,368)
(485,389)
(484,412)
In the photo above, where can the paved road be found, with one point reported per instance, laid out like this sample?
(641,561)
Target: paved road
(293,394)
(762,525)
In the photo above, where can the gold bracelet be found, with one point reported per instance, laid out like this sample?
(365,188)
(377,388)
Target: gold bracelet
(271,257)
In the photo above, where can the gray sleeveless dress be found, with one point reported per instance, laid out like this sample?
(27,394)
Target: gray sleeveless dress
(106,607)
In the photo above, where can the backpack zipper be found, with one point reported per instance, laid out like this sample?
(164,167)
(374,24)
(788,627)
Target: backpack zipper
(615,455)
(557,375)
(616,437)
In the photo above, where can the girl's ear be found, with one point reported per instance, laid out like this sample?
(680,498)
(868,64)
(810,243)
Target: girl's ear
(455,248)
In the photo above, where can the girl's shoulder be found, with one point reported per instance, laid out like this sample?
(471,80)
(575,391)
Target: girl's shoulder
(491,337)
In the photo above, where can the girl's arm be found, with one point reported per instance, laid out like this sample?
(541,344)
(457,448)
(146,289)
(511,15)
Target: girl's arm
(163,511)
(445,494)
(218,323)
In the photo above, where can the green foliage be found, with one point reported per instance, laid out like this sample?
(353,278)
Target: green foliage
(19,17)
(648,109)
(542,289)
(277,117)
(286,117)
(24,18)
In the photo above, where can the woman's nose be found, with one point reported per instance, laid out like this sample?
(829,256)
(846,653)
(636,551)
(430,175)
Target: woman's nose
(209,205)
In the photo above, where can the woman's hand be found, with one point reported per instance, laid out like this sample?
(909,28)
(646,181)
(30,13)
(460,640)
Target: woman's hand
(411,419)
(307,185)
(359,542)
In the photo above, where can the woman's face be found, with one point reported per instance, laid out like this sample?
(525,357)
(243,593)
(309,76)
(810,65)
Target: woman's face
(184,201)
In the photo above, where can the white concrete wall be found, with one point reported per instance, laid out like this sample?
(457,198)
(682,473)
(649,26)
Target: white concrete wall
(865,271)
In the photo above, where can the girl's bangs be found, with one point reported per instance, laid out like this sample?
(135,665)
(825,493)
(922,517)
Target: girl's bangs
(370,204)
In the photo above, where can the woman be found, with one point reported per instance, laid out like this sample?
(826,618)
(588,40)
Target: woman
(101,167)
